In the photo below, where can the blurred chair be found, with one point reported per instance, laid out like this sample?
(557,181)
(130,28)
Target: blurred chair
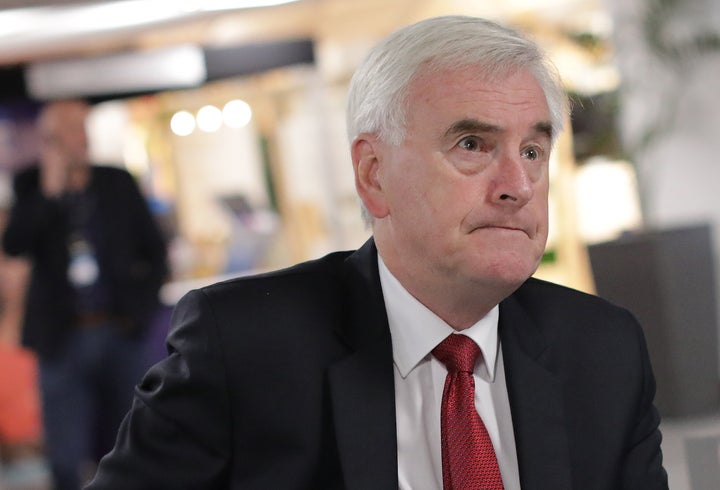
(667,279)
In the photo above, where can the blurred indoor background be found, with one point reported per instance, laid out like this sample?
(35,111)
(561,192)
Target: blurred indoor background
(230,114)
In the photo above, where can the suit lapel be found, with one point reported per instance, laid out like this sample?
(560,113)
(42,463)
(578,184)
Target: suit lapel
(362,384)
(536,402)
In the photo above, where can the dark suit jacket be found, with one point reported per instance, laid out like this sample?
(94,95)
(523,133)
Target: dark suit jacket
(131,254)
(285,381)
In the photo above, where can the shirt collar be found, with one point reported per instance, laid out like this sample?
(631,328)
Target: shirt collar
(416,330)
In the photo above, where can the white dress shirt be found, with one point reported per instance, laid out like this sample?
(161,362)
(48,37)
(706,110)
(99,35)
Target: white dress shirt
(419,383)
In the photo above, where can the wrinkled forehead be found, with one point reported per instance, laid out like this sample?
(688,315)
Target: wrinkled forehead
(482,74)
(465,81)
(459,98)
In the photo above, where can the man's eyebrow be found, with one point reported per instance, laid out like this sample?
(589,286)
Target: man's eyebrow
(476,126)
(546,128)
(471,126)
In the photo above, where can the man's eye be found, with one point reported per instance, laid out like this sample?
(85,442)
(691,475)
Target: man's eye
(470,143)
(531,153)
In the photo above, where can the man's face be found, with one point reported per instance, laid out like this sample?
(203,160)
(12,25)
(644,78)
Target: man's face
(63,135)
(463,200)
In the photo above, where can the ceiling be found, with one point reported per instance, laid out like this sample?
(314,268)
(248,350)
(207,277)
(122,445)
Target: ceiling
(56,28)
(48,30)
(11,4)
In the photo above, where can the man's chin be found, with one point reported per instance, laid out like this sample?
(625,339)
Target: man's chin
(509,275)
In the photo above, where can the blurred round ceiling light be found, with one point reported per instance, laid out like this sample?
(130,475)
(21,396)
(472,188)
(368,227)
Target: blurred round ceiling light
(237,114)
(182,123)
(209,118)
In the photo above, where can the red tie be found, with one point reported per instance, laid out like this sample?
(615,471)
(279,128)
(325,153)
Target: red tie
(468,457)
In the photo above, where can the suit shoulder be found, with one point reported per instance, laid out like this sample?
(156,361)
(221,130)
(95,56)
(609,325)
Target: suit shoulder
(542,289)
(108,172)
(313,277)
(578,326)
(552,300)
(26,179)
(307,297)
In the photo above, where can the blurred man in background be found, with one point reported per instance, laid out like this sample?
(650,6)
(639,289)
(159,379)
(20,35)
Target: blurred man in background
(98,260)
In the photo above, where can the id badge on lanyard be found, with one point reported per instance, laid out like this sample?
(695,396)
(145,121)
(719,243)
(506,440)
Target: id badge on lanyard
(83,268)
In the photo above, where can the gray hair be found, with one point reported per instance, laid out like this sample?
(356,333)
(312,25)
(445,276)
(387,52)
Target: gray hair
(377,99)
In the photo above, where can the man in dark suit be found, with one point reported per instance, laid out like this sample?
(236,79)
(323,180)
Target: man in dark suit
(344,372)
(98,260)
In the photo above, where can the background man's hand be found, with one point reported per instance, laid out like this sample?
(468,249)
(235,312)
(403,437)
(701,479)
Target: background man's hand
(53,172)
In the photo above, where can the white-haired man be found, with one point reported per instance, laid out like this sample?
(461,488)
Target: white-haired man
(429,358)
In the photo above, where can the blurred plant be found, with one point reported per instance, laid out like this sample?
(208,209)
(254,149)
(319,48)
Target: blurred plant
(668,43)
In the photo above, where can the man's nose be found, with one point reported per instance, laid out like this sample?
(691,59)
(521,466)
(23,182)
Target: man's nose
(512,184)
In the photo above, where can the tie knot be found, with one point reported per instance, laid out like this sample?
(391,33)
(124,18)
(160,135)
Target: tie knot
(458,353)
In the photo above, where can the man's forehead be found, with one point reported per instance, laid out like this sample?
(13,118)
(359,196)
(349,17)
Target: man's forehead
(68,111)
(470,84)
(471,100)
(63,121)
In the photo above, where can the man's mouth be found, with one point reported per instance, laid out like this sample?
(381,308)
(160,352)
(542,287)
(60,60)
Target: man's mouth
(503,228)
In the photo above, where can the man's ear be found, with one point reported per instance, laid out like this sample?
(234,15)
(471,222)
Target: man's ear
(366,165)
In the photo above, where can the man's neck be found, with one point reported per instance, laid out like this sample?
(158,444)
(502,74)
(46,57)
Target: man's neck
(459,305)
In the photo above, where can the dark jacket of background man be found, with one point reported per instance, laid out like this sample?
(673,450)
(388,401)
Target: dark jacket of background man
(131,252)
